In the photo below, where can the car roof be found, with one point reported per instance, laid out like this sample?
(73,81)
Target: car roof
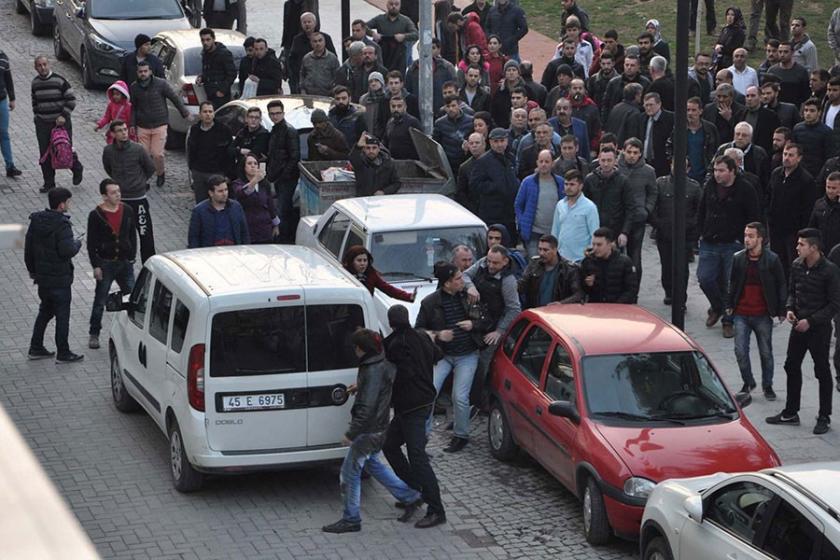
(253,268)
(407,212)
(298,108)
(613,328)
(189,38)
(820,481)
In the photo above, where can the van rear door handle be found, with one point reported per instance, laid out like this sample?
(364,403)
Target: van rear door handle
(507,384)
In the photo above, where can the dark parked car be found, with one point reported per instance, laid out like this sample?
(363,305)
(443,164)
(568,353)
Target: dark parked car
(97,33)
(40,14)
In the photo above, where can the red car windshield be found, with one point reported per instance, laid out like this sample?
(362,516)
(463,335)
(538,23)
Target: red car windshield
(663,386)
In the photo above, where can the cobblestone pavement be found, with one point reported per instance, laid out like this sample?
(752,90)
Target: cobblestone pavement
(113,468)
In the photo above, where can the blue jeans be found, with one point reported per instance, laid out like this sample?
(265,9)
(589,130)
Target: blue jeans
(762,326)
(364,454)
(713,269)
(464,367)
(5,140)
(120,271)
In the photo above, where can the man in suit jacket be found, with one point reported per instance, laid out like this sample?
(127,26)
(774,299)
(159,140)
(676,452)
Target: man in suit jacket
(763,120)
(653,128)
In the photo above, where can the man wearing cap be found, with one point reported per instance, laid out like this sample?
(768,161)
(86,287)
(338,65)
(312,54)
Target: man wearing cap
(414,355)
(128,63)
(318,68)
(494,180)
(375,171)
(376,105)
(325,142)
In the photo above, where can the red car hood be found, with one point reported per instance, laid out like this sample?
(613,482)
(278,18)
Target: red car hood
(660,453)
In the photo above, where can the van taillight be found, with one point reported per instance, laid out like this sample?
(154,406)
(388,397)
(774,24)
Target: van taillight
(188,95)
(195,377)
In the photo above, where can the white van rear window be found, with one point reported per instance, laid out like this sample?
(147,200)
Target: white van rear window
(273,340)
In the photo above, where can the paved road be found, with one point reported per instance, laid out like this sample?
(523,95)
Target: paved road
(113,468)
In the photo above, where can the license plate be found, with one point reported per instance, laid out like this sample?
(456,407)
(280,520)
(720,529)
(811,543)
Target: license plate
(264,401)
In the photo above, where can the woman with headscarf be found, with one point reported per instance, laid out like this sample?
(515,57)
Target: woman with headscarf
(731,37)
(359,262)
(660,47)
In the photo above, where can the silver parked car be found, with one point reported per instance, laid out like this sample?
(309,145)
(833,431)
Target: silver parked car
(180,52)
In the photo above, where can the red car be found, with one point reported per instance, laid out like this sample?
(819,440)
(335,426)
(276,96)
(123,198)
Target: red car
(611,400)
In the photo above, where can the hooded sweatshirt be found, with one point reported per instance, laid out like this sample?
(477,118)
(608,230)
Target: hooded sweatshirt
(117,110)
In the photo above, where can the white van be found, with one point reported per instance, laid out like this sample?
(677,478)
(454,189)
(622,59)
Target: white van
(241,354)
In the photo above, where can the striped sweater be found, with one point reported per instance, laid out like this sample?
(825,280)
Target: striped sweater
(52,97)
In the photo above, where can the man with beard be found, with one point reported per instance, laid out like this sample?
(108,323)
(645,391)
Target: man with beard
(788,113)
(325,142)
(473,93)
(393,31)
(724,112)
(771,58)
(397,131)
(266,70)
(793,77)
(701,75)
(217,69)
(549,277)
(615,88)
(597,83)
(585,109)
(344,116)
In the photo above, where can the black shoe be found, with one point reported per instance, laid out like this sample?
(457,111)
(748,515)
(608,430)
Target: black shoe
(822,425)
(39,353)
(46,188)
(78,174)
(13,172)
(769,393)
(161,180)
(449,426)
(68,358)
(431,520)
(667,300)
(456,444)
(747,388)
(782,418)
(410,510)
(342,526)
(729,332)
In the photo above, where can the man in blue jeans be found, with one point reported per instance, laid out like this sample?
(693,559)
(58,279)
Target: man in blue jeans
(728,204)
(48,252)
(369,421)
(112,248)
(7,103)
(757,293)
(445,314)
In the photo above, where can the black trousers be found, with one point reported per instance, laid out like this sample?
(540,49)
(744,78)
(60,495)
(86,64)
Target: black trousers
(288,214)
(784,245)
(711,20)
(416,471)
(634,248)
(665,246)
(143,224)
(55,302)
(43,130)
(816,341)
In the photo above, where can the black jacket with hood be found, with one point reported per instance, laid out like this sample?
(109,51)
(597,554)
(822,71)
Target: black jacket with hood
(415,355)
(50,248)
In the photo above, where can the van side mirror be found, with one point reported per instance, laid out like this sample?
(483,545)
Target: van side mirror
(743,399)
(564,409)
(694,507)
(115,302)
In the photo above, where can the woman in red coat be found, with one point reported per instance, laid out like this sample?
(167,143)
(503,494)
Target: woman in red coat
(359,262)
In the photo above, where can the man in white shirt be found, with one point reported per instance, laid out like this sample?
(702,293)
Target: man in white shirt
(743,76)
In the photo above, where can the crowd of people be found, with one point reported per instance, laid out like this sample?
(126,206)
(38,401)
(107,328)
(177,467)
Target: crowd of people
(568,170)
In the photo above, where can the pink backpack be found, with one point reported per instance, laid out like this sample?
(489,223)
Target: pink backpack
(60,150)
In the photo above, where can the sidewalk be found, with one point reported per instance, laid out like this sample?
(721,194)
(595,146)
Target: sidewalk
(535,46)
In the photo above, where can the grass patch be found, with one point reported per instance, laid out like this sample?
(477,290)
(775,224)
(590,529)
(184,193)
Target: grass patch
(629,17)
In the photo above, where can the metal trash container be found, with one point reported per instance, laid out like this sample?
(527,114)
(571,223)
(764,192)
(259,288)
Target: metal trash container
(430,174)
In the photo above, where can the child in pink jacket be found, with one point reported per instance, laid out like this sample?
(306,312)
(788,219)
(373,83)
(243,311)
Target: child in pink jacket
(119,108)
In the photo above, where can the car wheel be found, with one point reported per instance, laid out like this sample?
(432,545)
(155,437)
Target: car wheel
(87,77)
(658,549)
(175,140)
(20,7)
(122,400)
(35,25)
(58,48)
(184,477)
(596,526)
(502,446)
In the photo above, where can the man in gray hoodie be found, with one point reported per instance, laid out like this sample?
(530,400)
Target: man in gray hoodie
(641,180)
(128,164)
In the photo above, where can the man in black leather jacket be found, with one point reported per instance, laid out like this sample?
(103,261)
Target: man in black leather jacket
(369,420)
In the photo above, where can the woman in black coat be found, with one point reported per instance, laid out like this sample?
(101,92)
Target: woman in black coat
(731,37)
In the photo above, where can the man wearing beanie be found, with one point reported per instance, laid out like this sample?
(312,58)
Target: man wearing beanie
(128,63)
(414,354)
(326,143)
(376,105)
(445,313)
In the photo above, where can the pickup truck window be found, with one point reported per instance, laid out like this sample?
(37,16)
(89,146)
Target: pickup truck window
(332,236)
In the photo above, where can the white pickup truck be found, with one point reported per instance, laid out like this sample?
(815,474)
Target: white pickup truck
(405,233)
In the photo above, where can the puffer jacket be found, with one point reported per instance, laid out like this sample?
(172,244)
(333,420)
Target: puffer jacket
(617,205)
(620,283)
(814,293)
(283,153)
(526,201)
(371,412)
(148,102)
(130,165)
(217,71)
(50,248)
(772,276)
(567,286)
